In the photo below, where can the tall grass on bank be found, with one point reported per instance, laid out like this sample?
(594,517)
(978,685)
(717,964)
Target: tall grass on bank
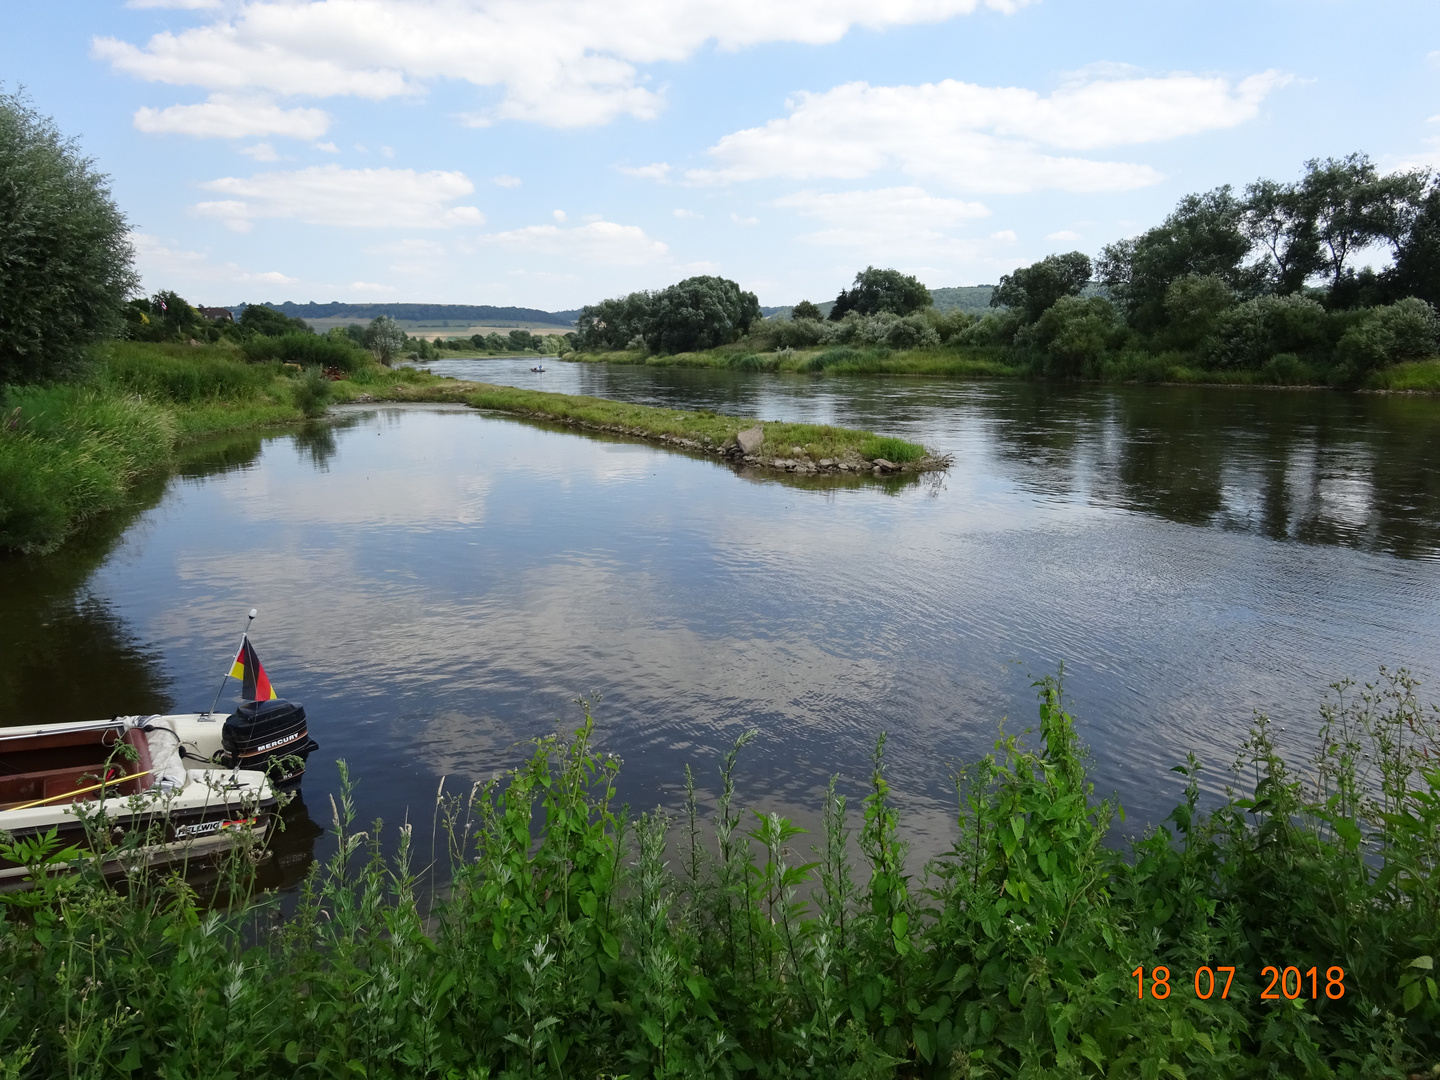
(576,941)
(68,453)
(71,451)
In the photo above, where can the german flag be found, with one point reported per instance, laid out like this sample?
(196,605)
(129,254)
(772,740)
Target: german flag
(248,670)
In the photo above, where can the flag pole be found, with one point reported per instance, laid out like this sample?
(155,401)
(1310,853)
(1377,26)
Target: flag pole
(221,688)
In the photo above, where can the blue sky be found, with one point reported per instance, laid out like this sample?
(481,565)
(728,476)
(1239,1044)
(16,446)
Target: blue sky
(551,153)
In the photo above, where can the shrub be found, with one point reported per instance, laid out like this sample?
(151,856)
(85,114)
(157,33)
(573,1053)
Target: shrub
(1395,334)
(1073,334)
(1192,304)
(796,333)
(312,393)
(992,328)
(305,349)
(1247,335)
(1287,369)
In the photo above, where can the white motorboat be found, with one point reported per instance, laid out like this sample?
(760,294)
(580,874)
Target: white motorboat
(136,790)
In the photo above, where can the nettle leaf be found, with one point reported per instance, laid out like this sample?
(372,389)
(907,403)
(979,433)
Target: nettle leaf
(1412,996)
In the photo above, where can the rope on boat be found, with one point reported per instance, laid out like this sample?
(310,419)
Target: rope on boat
(81,791)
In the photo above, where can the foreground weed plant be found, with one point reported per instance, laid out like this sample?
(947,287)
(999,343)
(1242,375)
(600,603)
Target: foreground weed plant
(575,941)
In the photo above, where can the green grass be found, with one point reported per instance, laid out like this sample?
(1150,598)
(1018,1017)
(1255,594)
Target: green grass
(1421,375)
(574,940)
(704,428)
(72,451)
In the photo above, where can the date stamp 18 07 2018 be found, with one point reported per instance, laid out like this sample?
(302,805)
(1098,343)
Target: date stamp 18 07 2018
(1282,984)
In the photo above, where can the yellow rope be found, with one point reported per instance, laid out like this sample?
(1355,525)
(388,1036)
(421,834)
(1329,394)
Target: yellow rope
(81,791)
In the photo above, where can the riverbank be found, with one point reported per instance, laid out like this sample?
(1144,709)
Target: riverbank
(1290,930)
(70,452)
(1000,363)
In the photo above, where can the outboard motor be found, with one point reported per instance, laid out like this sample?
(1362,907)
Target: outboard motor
(270,736)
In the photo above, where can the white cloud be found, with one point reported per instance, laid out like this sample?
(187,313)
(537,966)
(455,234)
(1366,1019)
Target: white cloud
(226,117)
(507,181)
(747,221)
(273,277)
(332,195)
(899,219)
(260,152)
(1005,236)
(565,63)
(328,147)
(659,172)
(371,288)
(682,213)
(164,265)
(558,215)
(387,152)
(1064,236)
(602,242)
(980,138)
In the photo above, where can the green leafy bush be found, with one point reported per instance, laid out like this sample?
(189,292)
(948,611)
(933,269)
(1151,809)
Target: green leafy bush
(1073,334)
(575,941)
(1395,334)
(65,271)
(1247,335)
(305,349)
(312,393)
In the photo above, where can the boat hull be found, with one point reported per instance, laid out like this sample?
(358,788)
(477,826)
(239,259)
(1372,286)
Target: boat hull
(123,811)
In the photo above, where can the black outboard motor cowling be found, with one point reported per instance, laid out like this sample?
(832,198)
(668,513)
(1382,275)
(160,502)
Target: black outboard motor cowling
(269,736)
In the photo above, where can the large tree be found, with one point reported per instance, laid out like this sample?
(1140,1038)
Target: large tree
(1032,290)
(385,339)
(699,313)
(614,323)
(65,260)
(1417,257)
(882,290)
(1352,206)
(1279,219)
(1203,235)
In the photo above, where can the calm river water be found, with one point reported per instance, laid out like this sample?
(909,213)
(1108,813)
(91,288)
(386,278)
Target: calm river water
(437,585)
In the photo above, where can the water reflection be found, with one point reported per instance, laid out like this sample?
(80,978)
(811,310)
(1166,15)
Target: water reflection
(438,585)
(55,627)
(1358,470)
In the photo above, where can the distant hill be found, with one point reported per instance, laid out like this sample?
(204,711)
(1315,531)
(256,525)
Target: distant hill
(972,298)
(461,313)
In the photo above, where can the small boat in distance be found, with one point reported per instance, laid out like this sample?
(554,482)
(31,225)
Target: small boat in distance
(538,367)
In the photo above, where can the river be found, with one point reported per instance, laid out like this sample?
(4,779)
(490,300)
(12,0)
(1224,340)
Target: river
(438,586)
